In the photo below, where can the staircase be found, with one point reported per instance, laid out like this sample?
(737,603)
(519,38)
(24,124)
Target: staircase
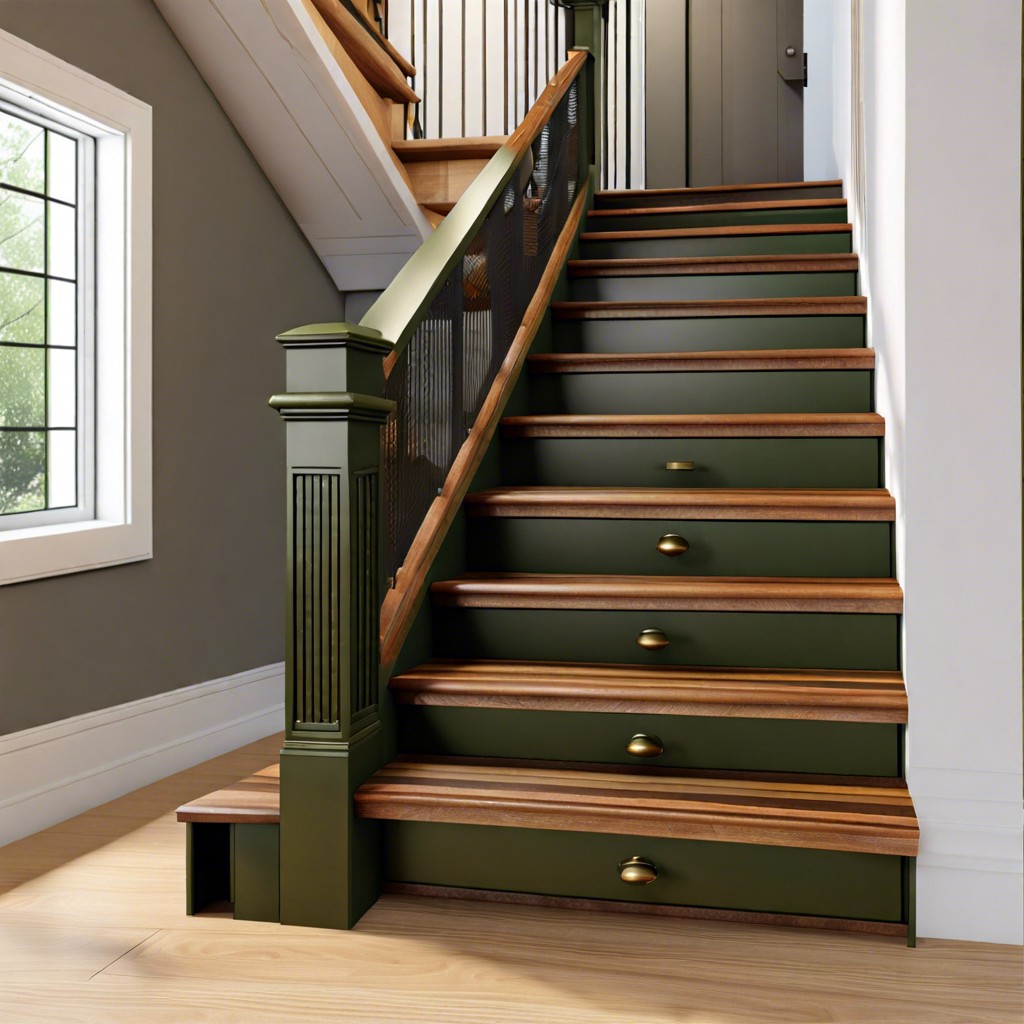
(671,678)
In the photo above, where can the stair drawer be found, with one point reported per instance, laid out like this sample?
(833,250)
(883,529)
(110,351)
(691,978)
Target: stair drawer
(705,392)
(716,547)
(727,876)
(746,744)
(718,461)
(743,639)
(697,334)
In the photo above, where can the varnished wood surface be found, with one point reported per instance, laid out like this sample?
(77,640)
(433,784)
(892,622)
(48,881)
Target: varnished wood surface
(684,503)
(678,266)
(740,808)
(476,147)
(803,694)
(870,595)
(697,362)
(740,207)
(378,65)
(254,800)
(838,305)
(93,931)
(540,113)
(525,899)
(781,186)
(403,600)
(781,424)
(719,232)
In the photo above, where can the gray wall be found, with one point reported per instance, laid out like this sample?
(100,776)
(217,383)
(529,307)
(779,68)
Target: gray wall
(231,270)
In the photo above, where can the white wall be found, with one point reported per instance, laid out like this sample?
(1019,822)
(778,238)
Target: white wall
(827,96)
(962,451)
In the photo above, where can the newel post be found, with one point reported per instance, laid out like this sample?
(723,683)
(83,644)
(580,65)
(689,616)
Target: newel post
(333,411)
(588,33)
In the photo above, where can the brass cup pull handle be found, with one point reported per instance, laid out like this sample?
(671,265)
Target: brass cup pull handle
(673,545)
(680,465)
(637,871)
(652,640)
(642,745)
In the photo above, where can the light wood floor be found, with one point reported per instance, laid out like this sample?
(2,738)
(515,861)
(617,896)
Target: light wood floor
(92,929)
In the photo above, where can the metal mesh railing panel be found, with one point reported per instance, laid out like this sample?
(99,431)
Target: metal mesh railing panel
(441,379)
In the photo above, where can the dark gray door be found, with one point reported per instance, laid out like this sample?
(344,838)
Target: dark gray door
(745,95)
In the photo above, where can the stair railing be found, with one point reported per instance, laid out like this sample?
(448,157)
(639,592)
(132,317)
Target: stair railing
(386,422)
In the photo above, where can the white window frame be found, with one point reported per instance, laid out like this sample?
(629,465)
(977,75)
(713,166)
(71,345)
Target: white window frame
(121,527)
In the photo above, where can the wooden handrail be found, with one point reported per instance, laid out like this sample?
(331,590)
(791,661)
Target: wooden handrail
(398,312)
(380,66)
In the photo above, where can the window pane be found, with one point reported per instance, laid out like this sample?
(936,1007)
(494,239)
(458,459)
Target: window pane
(21,309)
(63,471)
(61,387)
(22,387)
(21,231)
(22,471)
(63,245)
(62,173)
(62,313)
(21,153)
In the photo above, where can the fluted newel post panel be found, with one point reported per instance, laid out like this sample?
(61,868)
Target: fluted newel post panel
(588,33)
(334,411)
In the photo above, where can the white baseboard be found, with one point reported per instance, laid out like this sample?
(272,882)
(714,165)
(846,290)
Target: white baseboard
(56,771)
(970,872)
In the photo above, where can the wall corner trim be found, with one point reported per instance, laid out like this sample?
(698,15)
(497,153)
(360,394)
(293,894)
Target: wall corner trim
(55,771)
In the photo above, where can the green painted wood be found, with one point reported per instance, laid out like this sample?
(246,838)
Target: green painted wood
(709,334)
(720,462)
(721,218)
(728,245)
(746,639)
(747,744)
(733,876)
(684,287)
(207,865)
(257,869)
(740,391)
(717,548)
(632,200)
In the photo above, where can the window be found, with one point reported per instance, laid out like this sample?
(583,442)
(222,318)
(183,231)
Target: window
(75,319)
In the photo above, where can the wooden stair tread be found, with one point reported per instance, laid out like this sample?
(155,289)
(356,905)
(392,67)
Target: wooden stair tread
(780,186)
(695,362)
(481,147)
(255,800)
(676,266)
(716,232)
(762,204)
(871,816)
(826,305)
(659,689)
(774,424)
(861,595)
(683,503)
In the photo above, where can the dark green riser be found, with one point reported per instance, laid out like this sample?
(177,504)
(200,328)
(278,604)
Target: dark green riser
(640,199)
(698,334)
(717,547)
(743,744)
(234,863)
(728,391)
(716,245)
(720,218)
(733,876)
(664,287)
(720,462)
(747,639)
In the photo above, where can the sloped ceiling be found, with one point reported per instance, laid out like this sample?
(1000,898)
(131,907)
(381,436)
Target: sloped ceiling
(285,93)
